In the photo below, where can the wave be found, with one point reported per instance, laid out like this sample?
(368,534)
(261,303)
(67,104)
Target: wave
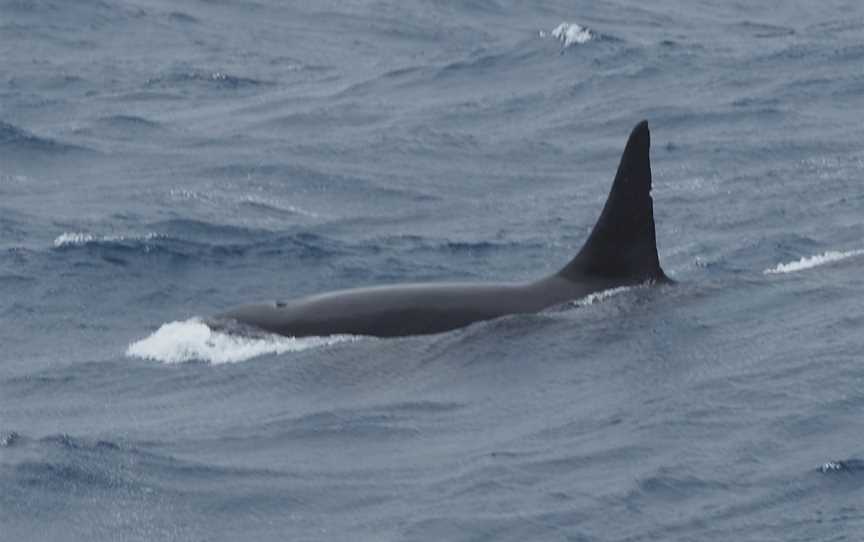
(418,244)
(14,279)
(847,465)
(763,30)
(672,487)
(9,439)
(810,262)
(182,17)
(72,239)
(193,340)
(275,206)
(216,79)
(201,241)
(62,462)
(188,228)
(128,122)
(13,136)
(9,179)
(603,295)
(570,34)
(271,204)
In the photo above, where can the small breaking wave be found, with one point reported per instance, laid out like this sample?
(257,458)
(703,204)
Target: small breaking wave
(810,262)
(603,295)
(846,465)
(570,34)
(74,239)
(193,340)
(215,79)
(8,438)
(185,239)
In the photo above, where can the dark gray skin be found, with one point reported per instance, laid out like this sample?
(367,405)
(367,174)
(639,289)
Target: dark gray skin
(409,309)
(621,250)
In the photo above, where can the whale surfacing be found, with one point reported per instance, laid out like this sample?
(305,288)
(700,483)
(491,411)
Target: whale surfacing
(621,250)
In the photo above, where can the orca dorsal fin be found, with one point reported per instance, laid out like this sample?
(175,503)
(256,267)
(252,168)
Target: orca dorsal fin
(623,245)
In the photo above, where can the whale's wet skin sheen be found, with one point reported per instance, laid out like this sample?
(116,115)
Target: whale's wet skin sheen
(621,250)
(411,309)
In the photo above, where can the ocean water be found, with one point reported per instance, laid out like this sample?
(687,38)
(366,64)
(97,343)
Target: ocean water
(161,161)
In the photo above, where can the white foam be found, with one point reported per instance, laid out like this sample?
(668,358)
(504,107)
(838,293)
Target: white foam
(68,239)
(72,239)
(571,34)
(810,262)
(831,466)
(193,340)
(183,194)
(596,297)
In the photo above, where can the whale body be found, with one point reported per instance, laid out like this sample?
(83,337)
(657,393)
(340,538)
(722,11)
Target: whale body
(621,250)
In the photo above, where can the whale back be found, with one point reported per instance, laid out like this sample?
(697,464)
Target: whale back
(623,246)
(621,250)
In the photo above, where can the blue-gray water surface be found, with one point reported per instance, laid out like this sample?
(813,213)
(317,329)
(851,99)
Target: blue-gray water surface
(161,161)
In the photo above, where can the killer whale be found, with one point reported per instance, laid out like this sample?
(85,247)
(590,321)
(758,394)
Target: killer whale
(620,250)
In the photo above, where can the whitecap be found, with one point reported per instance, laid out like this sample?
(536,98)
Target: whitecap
(831,466)
(571,34)
(846,465)
(71,239)
(193,340)
(810,262)
(602,295)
